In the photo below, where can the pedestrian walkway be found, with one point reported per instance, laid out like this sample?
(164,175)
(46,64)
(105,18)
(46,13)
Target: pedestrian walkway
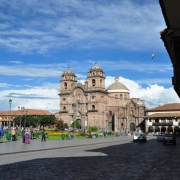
(14,147)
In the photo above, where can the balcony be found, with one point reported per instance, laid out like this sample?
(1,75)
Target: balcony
(162,124)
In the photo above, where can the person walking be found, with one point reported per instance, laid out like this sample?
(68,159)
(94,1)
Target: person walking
(23,135)
(27,137)
(13,132)
(43,133)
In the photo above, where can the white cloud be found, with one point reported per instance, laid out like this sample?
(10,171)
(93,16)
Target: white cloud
(153,95)
(80,24)
(46,96)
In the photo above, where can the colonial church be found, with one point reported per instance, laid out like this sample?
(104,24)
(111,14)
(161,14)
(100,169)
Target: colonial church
(93,105)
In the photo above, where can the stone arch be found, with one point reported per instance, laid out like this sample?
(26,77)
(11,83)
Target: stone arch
(163,129)
(157,129)
(170,129)
(176,129)
(79,121)
(150,129)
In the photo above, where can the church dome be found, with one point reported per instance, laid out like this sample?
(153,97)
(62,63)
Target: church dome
(68,72)
(96,67)
(117,87)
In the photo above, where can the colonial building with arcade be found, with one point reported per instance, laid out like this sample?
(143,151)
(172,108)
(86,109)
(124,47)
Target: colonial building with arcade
(93,105)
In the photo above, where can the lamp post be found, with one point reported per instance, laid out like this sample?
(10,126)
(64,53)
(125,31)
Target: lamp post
(74,117)
(25,118)
(10,101)
(86,95)
(21,109)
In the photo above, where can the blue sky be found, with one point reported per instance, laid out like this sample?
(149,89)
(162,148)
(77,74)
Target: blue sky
(39,40)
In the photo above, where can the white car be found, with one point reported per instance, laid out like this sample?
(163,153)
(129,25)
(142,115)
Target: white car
(139,137)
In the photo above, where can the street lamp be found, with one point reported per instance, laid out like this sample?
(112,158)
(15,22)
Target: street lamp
(74,117)
(25,119)
(10,101)
(87,103)
(21,109)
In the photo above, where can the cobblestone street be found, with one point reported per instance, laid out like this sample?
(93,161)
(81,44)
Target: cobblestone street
(117,160)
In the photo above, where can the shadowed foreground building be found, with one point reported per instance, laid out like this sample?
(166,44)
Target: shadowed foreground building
(163,118)
(93,105)
(171,37)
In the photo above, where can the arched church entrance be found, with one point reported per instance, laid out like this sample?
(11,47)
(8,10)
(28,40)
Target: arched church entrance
(113,123)
(79,122)
(110,126)
(132,127)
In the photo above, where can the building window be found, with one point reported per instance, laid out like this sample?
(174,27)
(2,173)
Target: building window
(65,85)
(93,82)
(149,120)
(64,108)
(93,97)
(93,107)
(121,96)
(79,105)
(64,99)
(116,95)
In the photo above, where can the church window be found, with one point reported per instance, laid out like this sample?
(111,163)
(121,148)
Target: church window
(65,85)
(64,99)
(64,108)
(93,107)
(93,82)
(121,96)
(100,82)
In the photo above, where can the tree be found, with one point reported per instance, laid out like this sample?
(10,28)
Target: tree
(60,125)
(78,125)
(29,120)
(46,120)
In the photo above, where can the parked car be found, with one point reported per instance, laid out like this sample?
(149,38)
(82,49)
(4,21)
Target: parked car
(139,137)
(160,137)
(169,138)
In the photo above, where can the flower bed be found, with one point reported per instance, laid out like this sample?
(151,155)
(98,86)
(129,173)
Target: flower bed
(60,133)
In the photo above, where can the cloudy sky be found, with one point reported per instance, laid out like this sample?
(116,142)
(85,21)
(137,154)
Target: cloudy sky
(40,39)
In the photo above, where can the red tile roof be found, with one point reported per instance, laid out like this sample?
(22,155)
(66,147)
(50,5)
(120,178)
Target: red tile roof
(28,111)
(163,115)
(166,107)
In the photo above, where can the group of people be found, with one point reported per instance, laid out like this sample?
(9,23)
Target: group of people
(28,133)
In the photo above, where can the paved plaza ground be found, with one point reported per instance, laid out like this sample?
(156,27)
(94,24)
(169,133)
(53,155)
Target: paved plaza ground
(106,158)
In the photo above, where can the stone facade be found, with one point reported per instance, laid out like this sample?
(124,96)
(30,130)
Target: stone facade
(93,105)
